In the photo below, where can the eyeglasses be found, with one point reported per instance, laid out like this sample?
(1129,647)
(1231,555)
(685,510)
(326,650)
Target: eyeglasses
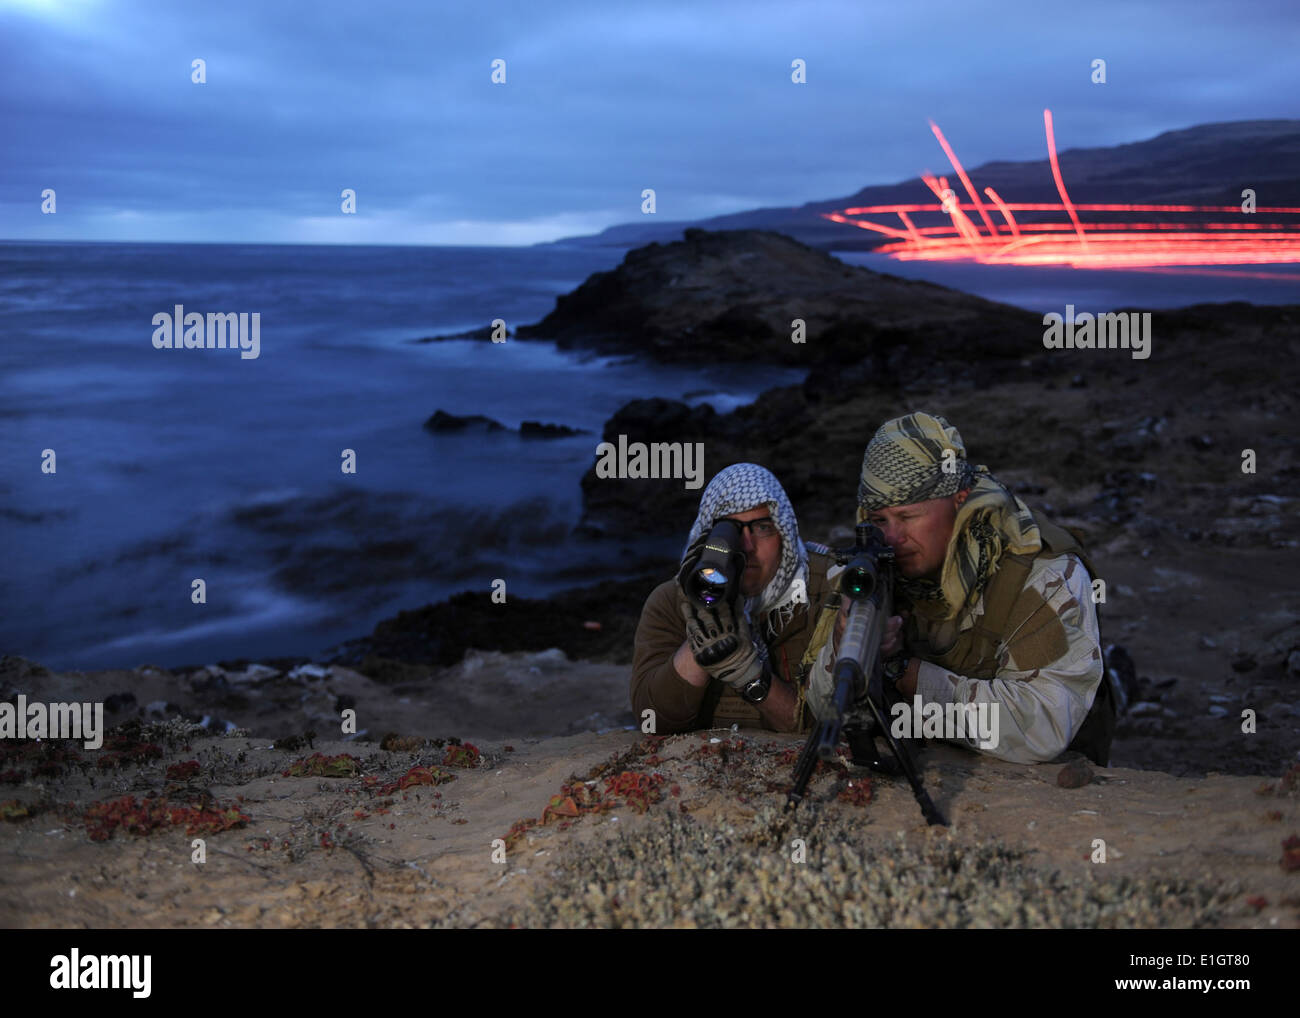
(759,528)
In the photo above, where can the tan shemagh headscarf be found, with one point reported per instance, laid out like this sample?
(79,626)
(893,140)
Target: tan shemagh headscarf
(921,456)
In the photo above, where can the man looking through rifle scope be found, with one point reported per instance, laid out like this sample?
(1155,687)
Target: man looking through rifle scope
(997,601)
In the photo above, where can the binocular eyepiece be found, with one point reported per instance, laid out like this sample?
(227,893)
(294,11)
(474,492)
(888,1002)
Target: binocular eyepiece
(716,574)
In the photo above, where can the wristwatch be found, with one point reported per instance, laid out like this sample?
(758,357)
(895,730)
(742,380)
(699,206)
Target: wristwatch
(895,668)
(756,691)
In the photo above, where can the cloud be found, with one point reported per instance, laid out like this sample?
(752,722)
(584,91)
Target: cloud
(601,101)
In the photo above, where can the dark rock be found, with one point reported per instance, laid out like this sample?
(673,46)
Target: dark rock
(536,429)
(1244,663)
(1078,382)
(344,702)
(405,648)
(442,421)
(209,684)
(295,741)
(1075,774)
(646,505)
(119,701)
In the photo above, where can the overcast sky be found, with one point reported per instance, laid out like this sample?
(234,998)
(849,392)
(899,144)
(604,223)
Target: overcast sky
(601,100)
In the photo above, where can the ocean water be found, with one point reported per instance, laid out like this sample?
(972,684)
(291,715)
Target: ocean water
(174,465)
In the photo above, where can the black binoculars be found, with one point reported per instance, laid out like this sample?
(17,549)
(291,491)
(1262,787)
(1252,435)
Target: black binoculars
(716,573)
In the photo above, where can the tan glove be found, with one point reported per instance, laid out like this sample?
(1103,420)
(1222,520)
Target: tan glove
(721,643)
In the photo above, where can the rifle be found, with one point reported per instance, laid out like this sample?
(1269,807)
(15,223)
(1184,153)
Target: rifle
(859,698)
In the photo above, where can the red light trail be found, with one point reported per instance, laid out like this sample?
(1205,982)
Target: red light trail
(1159,246)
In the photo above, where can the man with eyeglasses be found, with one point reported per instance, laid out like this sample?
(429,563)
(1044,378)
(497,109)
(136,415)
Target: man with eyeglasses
(770,624)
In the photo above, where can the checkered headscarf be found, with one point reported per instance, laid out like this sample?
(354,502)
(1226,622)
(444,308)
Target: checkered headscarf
(904,463)
(744,486)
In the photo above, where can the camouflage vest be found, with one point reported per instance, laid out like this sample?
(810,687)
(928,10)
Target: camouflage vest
(975,652)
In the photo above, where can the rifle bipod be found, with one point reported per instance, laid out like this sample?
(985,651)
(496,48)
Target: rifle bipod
(865,753)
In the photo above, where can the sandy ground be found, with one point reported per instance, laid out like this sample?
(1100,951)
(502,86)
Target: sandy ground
(338,851)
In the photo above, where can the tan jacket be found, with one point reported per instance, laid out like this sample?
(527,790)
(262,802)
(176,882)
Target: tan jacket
(1043,678)
(680,706)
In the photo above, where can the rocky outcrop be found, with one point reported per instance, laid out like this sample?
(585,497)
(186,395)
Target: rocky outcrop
(444,423)
(1124,452)
(441,421)
(732,296)
(539,429)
